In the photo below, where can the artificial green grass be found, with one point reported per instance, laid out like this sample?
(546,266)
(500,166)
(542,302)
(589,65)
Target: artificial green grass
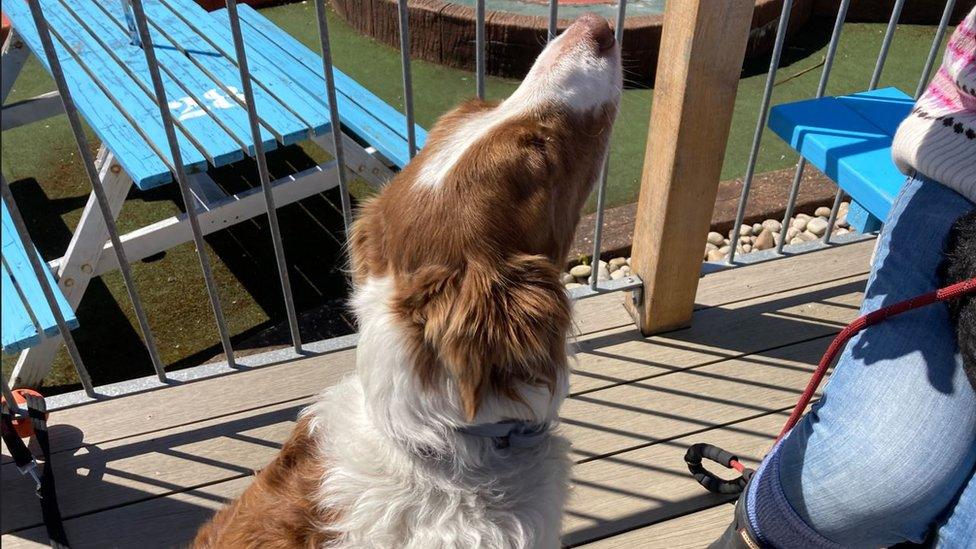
(41,163)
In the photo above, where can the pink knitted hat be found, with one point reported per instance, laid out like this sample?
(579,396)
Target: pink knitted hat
(938,139)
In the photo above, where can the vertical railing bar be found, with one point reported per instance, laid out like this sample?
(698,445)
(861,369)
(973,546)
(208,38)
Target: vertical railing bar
(602,184)
(934,50)
(784,19)
(41,274)
(553,19)
(330,92)
(832,218)
(872,85)
(74,121)
(180,174)
(886,44)
(404,13)
(8,396)
(821,90)
(262,161)
(479,44)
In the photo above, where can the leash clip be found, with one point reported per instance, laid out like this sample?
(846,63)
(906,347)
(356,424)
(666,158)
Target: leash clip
(31,469)
(711,482)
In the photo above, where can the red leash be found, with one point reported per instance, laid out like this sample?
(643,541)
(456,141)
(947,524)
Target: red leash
(954,291)
(698,451)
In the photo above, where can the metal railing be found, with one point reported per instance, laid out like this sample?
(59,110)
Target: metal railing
(140,29)
(158,95)
(781,33)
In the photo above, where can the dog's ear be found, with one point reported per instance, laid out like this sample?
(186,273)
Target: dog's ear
(490,327)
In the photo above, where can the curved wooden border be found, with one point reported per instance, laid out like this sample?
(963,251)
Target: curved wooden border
(443,32)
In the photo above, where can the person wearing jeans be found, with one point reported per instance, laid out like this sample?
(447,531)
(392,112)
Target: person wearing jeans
(888,455)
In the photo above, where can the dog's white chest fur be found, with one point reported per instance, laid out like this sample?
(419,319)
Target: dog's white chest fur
(391,498)
(401,475)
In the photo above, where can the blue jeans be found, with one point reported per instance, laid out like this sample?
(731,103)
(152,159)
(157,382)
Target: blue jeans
(888,454)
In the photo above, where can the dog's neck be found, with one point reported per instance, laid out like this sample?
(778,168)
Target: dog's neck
(429,422)
(402,472)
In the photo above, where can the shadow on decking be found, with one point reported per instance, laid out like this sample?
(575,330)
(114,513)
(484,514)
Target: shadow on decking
(92,478)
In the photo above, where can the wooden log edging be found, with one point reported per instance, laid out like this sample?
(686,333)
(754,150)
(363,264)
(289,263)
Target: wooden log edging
(443,32)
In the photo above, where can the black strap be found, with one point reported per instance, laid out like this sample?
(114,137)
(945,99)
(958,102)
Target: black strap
(36,408)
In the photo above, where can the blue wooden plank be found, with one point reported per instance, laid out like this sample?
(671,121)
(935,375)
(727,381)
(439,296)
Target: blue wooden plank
(18,331)
(198,87)
(190,89)
(138,160)
(287,127)
(359,109)
(885,108)
(356,121)
(847,148)
(92,35)
(266,73)
(15,256)
(345,85)
(100,66)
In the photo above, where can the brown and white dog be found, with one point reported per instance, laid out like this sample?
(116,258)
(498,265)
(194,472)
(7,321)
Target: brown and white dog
(443,437)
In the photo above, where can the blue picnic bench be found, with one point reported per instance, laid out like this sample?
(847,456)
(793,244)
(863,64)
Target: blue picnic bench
(849,139)
(26,316)
(111,86)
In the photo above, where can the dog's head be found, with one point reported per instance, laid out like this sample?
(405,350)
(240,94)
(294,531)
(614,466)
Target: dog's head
(470,236)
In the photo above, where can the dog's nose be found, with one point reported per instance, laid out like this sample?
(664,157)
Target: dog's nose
(599,30)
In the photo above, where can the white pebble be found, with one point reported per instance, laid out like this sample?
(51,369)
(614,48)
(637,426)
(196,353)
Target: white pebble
(581,271)
(772,225)
(566,278)
(715,255)
(817,226)
(715,238)
(822,211)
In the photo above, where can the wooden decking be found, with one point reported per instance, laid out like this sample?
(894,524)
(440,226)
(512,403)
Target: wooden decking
(146,470)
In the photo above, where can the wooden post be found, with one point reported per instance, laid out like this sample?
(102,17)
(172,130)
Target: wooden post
(702,47)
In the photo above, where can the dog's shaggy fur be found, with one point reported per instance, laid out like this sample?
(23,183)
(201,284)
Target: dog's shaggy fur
(462,321)
(960,264)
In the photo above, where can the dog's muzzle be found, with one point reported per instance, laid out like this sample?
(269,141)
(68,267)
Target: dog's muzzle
(510,434)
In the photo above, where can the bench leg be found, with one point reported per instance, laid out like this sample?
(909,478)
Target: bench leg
(359,161)
(861,220)
(217,215)
(12,59)
(77,267)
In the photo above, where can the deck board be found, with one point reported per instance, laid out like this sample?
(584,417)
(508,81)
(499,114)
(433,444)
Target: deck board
(637,404)
(692,531)
(610,421)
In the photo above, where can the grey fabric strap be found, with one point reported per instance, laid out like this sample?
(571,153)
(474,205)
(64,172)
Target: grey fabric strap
(514,434)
